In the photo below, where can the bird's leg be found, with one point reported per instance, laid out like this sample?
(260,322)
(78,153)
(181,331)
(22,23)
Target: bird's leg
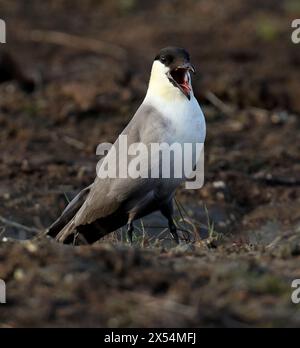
(173,230)
(129,231)
(167,211)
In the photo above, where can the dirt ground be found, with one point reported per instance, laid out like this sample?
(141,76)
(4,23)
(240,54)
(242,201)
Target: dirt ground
(91,62)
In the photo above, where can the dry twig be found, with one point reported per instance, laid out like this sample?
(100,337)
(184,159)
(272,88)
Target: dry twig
(7,222)
(75,42)
(218,103)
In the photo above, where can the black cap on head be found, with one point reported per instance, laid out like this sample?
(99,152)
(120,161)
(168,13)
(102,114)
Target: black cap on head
(178,62)
(172,55)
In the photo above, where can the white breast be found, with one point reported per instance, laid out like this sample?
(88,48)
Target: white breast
(186,116)
(188,120)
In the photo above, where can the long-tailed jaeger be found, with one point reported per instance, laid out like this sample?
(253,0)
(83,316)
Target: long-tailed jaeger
(169,114)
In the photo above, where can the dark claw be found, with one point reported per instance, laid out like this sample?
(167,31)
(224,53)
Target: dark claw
(129,232)
(175,236)
(173,231)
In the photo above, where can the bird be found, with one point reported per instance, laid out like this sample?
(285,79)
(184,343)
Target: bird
(169,113)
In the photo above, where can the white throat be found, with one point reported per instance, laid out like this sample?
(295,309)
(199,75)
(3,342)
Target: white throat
(161,88)
(186,115)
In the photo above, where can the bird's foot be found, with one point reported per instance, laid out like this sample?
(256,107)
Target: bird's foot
(174,233)
(129,233)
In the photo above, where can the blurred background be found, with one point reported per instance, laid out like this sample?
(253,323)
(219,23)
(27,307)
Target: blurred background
(73,73)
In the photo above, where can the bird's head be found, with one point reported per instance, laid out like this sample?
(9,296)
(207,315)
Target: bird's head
(170,75)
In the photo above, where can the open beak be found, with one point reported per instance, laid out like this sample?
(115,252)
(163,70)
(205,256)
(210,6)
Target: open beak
(189,67)
(179,77)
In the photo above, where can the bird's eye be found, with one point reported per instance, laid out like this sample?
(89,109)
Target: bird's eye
(163,59)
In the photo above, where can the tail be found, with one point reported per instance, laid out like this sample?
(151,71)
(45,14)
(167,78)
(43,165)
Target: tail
(65,221)
(64,229)
(67,235)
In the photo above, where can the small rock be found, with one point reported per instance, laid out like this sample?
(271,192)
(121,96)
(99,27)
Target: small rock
(19,274)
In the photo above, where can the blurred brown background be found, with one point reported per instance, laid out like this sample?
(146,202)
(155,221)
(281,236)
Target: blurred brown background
(89,63)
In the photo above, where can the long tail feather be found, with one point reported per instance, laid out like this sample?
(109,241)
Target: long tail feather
(68,213)
(68,231)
